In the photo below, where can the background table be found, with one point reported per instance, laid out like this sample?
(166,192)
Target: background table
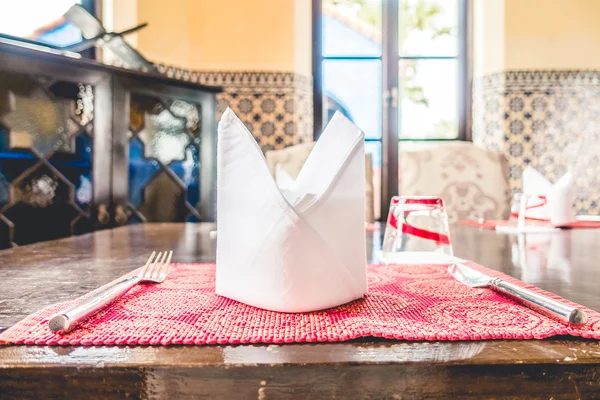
(35,276)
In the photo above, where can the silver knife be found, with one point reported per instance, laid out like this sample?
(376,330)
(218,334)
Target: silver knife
(538,302)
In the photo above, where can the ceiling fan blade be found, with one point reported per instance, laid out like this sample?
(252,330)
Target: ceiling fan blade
(127,54)
(81,46)
(90,27)
(131,30)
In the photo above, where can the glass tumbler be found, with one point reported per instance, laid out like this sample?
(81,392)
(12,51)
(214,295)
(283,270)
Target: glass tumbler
(416,224)
(528,209)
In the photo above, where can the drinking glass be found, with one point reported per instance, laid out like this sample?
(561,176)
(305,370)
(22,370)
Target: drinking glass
(417,229)
(527,209)
(528,214)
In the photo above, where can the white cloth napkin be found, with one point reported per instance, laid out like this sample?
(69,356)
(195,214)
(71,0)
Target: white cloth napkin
(298,250)
(560,196)
(282,178)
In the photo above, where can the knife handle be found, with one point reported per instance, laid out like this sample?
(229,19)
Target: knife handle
(540,303)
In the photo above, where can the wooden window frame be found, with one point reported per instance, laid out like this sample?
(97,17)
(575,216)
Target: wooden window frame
(390,82)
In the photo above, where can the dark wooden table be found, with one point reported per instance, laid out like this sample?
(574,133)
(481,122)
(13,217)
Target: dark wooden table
(37,275)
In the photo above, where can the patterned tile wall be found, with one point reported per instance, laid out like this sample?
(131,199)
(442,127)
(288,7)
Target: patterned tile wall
(275,106)
(547,119)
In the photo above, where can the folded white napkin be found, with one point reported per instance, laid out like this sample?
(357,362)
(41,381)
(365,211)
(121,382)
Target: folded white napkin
(298,250)
(282,178)
(559,196)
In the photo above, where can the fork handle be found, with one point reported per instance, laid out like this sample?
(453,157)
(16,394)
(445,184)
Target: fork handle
(540,303)
(68,319)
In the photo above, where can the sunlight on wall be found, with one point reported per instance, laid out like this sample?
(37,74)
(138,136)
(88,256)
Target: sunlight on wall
(118,15)
(228,35)
(488,36)
(303,37)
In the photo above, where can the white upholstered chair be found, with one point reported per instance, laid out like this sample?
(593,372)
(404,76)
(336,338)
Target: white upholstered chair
(472,181)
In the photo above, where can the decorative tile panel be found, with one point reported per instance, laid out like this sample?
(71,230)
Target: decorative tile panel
(164,176)
(51,130)
(546,119)
(45,158)
(275,106)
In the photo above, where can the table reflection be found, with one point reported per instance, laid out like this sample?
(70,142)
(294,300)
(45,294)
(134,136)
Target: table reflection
(542,256)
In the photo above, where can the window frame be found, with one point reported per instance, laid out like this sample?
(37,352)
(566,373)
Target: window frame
(390,59)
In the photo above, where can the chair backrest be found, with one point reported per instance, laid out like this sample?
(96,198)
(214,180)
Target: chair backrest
(291,160)
(472,181)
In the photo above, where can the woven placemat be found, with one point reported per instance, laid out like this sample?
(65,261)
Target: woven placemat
(404,302)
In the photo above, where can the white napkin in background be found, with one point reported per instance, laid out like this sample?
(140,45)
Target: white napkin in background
(560,196)
(297,250)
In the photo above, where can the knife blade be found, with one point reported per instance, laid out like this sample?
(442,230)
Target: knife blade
(538,302)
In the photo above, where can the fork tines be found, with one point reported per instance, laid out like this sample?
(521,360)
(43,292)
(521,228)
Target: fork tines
(155,268)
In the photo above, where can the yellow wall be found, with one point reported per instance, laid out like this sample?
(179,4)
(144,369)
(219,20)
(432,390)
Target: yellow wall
(168,38)
(271,35)
(535,34)
(552,34)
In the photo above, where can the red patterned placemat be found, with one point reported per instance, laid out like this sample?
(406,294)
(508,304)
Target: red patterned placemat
(403,302)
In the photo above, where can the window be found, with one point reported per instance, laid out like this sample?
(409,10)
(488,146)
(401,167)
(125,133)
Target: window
(428,71)
(397,69)
(41,21)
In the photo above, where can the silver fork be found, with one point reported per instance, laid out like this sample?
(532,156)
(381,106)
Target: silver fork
(154,271)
